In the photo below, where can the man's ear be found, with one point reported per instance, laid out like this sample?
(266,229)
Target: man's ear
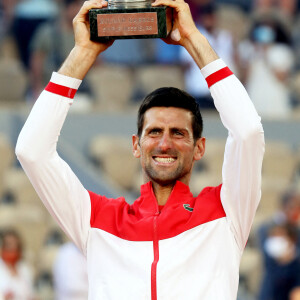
(199,148)
(136,150)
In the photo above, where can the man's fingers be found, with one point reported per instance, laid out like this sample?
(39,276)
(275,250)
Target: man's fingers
(163,2)
(170,3)
(87,5)
(92,4)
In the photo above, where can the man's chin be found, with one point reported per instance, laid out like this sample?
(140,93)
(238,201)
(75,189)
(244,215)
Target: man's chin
(163,177)
(163,180)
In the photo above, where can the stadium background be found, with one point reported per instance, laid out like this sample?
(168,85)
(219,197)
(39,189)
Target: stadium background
(96,137)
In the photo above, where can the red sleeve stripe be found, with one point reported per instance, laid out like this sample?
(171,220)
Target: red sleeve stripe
(61,90)
(217,76)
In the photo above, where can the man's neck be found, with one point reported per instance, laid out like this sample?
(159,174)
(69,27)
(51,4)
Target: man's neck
(162,193)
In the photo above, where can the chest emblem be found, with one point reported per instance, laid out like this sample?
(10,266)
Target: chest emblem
(187,207)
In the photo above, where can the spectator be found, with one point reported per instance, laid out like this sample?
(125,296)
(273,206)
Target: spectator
(221,40)
(29,15)
(51,44)
(288,214)
(16,279)
(6,17)
(70,274)
(287,218)
(267,61)
(282,263)
(287,7)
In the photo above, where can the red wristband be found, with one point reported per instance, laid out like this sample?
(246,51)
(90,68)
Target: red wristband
(60,90)
(217,76)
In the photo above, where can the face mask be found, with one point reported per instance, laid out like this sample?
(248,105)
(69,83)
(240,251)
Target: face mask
(10,257)
(276,246)
(264,34)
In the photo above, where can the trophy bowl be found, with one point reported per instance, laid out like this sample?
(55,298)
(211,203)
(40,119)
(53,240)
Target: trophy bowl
(129,19)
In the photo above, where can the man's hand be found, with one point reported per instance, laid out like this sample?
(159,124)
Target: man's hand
(183,24)
(186,34)
(81,28)
(85,52)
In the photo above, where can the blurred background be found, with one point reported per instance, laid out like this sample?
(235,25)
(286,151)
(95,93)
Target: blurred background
(258,39)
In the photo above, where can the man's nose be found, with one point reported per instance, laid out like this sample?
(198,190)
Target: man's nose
(165,142)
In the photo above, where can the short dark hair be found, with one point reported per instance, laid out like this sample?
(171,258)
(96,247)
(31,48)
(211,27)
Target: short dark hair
(171,97)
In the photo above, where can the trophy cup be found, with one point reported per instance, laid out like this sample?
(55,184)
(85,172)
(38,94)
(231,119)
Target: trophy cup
(129,19)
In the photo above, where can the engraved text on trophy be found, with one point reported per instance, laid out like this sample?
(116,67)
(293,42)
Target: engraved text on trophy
(127,24)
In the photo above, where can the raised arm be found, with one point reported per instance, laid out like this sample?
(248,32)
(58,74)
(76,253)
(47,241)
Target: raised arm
(57,186)
(241,172)
(240,193)
(85,52)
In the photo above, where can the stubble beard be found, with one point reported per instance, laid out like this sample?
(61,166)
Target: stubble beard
(164,177)
(161,177)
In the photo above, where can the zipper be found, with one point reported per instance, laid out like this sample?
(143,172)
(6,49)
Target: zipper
(156,258)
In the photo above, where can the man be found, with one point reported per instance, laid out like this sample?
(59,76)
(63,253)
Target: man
(168,244)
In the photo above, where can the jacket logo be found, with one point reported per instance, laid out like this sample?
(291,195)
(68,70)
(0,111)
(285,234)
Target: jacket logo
(187,207)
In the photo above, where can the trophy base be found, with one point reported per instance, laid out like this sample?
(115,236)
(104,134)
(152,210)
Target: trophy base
(129,23)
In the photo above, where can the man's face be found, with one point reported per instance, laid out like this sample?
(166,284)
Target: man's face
(166,148)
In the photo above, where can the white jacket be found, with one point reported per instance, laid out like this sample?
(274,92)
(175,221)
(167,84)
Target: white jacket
(192,249)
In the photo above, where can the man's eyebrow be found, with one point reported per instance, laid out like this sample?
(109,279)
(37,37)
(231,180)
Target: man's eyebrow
(183,129)
(155,127)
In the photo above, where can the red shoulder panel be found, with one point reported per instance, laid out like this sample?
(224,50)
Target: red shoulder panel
(135,223)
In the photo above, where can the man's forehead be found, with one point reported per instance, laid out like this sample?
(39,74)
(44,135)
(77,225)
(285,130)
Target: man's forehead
(175,115)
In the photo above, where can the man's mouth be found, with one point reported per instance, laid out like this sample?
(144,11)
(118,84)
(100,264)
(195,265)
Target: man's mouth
(164,160)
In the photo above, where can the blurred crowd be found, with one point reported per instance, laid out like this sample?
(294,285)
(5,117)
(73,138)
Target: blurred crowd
(258,39)
(67,275)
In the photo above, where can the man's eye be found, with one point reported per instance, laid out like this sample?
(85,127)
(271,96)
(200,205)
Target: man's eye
(179,133)
(154,131)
